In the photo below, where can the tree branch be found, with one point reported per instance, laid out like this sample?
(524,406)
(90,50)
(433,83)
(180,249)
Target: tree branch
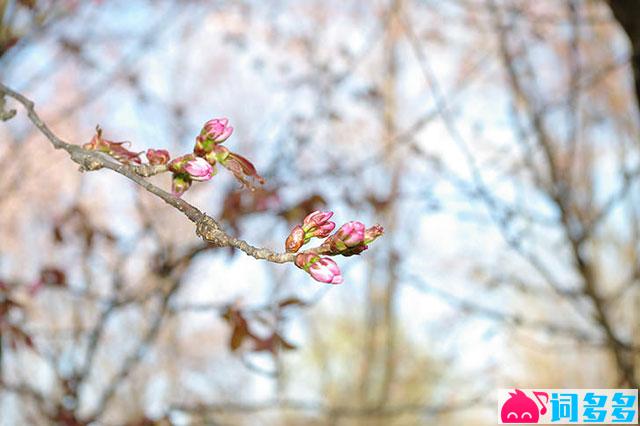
(207,227)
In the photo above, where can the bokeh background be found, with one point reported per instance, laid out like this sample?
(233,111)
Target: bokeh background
(495,140)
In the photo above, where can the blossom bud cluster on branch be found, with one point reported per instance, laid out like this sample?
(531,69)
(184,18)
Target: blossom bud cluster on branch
(350,239)
(198,166)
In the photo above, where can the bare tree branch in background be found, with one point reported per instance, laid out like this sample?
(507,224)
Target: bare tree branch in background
(628,15)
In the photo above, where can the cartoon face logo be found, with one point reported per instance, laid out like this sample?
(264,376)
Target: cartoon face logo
(519,408)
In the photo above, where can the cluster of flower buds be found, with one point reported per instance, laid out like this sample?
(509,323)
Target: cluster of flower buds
(316,224)
(350,239)
(115,149)
(198,166)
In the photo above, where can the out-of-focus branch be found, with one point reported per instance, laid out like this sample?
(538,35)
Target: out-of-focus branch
(502,217)
(469,305)
(25,390)
(576,231)
(136,356)
(627,14)
(628,179)
(206,227)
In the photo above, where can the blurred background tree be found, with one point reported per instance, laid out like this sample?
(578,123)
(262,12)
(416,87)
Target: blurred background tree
(496,141)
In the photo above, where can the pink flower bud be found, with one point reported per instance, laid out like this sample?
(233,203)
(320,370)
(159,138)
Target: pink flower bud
(179,184)
(350,239)
(351,233)
(199,169)
(295,240)
(317,224)
(321,269)
(213,132)
(326,270)
(317,218)
(323,230)
(217,130)
(157,156)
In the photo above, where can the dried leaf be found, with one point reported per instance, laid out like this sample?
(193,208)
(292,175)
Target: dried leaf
(240,327)
(237,337)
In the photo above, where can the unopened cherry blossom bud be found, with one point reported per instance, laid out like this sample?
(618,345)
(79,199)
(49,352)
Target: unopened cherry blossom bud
(321,231)
(317,218)
(217,130)
(295,240)
(213,132)
(321,269)
(180,183)
(199,169)
(351,233)
(326,270)
(157,157)
(349,240)
(317,224)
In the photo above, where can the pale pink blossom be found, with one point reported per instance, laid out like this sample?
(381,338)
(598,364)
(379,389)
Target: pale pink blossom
(199,169)
(317,224)
(349,240)
(326,270)
(217,130)
(321,269)
(351,233)
(317,218)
